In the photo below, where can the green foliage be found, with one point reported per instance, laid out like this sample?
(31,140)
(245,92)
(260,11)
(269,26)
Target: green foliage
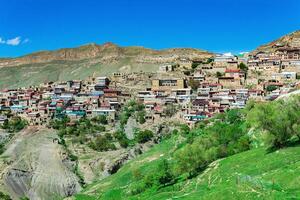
(24,198)
(194,84)
(143,136)
(129,109)
(122,139)
(271,88)
(4,196)
(170,110)
(243,67)
(141,117)
(80,130)
(225,137)
(195,65)
(161,176)
(15,124)
(59,123)
(280,119)
(252,174)
(102,119)
(219,74)
(102,143)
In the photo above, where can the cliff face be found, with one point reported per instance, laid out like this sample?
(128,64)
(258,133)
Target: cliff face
(289,40)
(106,53)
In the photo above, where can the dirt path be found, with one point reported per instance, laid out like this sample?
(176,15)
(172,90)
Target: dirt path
(36,168)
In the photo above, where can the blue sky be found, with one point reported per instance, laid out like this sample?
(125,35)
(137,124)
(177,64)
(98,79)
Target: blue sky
(215,25)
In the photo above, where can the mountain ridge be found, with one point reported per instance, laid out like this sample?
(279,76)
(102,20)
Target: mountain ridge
(288,40)
(106,51)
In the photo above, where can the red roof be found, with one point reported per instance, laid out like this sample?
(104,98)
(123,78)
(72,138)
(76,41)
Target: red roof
(232,71)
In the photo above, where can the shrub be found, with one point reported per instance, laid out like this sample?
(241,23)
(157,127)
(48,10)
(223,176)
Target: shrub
(101,143)
(4,196)
(170,110)
(280,119)
(15,124)
(141,117)
(144,136)
(122,139)
(102,119)
(271,88)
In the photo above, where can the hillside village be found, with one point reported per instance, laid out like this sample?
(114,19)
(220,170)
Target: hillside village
(192,90)
(184,109)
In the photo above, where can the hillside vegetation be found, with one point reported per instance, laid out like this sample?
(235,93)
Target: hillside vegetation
(242,154)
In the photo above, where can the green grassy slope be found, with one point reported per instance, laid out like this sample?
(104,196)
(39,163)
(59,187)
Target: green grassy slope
(252,174)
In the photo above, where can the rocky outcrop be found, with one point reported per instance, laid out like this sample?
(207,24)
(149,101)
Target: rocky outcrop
(37,167)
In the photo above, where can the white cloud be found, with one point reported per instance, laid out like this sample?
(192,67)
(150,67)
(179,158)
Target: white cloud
(2,41)
(228,54)
(14,42)
(26,40)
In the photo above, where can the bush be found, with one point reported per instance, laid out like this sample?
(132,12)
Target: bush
(170,110)
(164,174)
(160,177)
(226,136)
(271,88)
(280,119)
(194,84)
(102,119)
(122,139)
(4,196)
(101,143)
(144,136)
(15,124)
(129,109)
(141,117)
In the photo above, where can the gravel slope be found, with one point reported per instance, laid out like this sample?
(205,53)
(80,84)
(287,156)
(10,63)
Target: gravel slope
(37,167)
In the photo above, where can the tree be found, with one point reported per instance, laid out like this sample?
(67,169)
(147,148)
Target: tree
(122,139)
(164,172)
(219,74)
(170,110)
(144,136)
(102,143)
(194,84)
(4,196)
(243,67)
(280,119)
(190,160)
(141,117)
(195,65)
(15,124)
(102,119)
(271,88)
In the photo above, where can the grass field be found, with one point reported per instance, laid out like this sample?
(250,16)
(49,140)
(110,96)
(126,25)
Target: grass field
(253,174)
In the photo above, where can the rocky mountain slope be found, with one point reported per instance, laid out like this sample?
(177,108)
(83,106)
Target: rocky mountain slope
(35,166)
(107,52)
(290,40)
(87,60)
